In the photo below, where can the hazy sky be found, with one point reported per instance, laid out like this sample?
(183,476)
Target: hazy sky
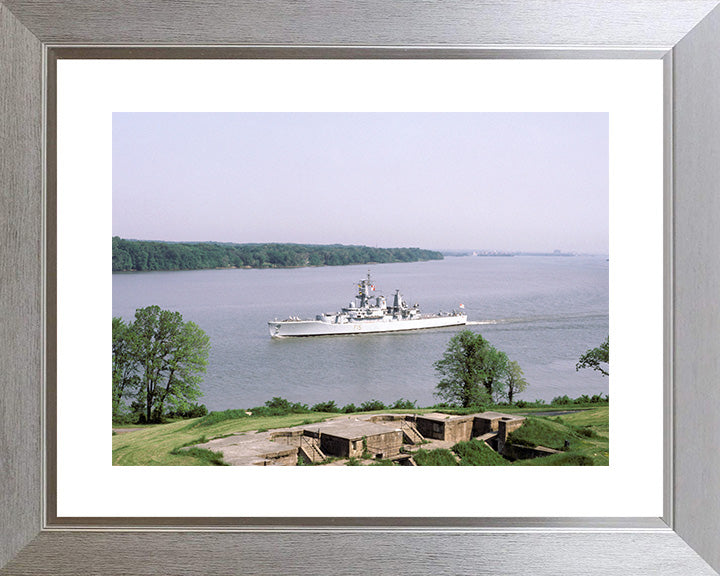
(511,181)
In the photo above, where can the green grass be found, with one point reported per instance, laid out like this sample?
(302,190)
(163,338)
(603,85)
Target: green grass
(217,417)
(477,453)
(153,445)
(586,431)
(159,444)
(438,457)
(542,432)
(208,456)
(564,459)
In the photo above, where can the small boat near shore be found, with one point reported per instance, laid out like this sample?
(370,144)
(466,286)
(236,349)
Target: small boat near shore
(371,314)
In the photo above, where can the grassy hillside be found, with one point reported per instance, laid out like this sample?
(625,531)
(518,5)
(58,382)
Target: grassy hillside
(158,445)
(587,433)
(154,445)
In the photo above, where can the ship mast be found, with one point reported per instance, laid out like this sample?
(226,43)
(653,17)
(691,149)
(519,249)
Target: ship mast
(364,291)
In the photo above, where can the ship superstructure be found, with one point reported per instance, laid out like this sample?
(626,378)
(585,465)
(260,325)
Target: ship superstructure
(369,314)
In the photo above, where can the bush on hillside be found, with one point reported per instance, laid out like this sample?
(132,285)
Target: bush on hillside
(477,453)
(328,406)
(439,457)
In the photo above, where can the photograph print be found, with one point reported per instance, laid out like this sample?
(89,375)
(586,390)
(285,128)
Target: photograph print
(360,289)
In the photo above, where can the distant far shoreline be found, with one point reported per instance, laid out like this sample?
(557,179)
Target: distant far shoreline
(147,255)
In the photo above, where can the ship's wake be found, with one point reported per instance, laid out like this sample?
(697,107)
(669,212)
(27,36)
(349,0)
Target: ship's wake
(532,319)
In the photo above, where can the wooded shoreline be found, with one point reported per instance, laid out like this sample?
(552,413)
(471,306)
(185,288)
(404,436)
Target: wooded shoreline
(145,255)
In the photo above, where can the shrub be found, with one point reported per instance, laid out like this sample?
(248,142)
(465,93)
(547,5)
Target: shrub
(130,418)
(283,406)
(280,407)
(443,406)
(348,408)
(580,400)
(192,411)
(439,457)
(403,404)
(328,406)
(477,453)
(372,405)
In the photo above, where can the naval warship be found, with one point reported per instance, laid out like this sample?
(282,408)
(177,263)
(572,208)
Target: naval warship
(371,314)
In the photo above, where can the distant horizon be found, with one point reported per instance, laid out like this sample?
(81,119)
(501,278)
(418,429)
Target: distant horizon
(480,250)
(521,181)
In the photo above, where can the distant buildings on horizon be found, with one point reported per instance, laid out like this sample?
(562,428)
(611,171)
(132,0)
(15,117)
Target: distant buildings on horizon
(514,253)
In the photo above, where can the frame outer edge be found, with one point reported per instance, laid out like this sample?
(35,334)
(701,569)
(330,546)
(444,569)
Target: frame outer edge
(588,23)
(20,284)
(696,113)
(491,554)
(20,234)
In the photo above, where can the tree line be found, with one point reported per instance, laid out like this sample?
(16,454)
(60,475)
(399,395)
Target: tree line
(156,364)
(132,255)
(475,373)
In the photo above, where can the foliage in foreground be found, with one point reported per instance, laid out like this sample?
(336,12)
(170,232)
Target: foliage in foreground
(477,453)
(158,445)
(472,370)
(156,364)
(438,457)
(596,358)
(580,400)
(541,432)
(586,432)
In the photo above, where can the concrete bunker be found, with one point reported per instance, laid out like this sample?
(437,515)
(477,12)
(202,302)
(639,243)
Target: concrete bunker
(356,438)
(377,436)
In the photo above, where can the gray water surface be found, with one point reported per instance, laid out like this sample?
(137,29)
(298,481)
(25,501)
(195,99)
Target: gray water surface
(544,312)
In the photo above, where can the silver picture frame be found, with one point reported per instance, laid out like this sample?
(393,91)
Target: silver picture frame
(685,34)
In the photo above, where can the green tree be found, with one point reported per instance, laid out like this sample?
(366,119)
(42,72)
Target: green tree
(170,354)
(124,366)
(515,382)
(597,358)
(472,370)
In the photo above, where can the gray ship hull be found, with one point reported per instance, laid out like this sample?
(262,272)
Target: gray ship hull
(329,326)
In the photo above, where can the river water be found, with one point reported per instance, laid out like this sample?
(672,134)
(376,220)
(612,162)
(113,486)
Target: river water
(543,311)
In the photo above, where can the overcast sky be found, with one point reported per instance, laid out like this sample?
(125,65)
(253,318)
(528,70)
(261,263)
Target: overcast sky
(515,181)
